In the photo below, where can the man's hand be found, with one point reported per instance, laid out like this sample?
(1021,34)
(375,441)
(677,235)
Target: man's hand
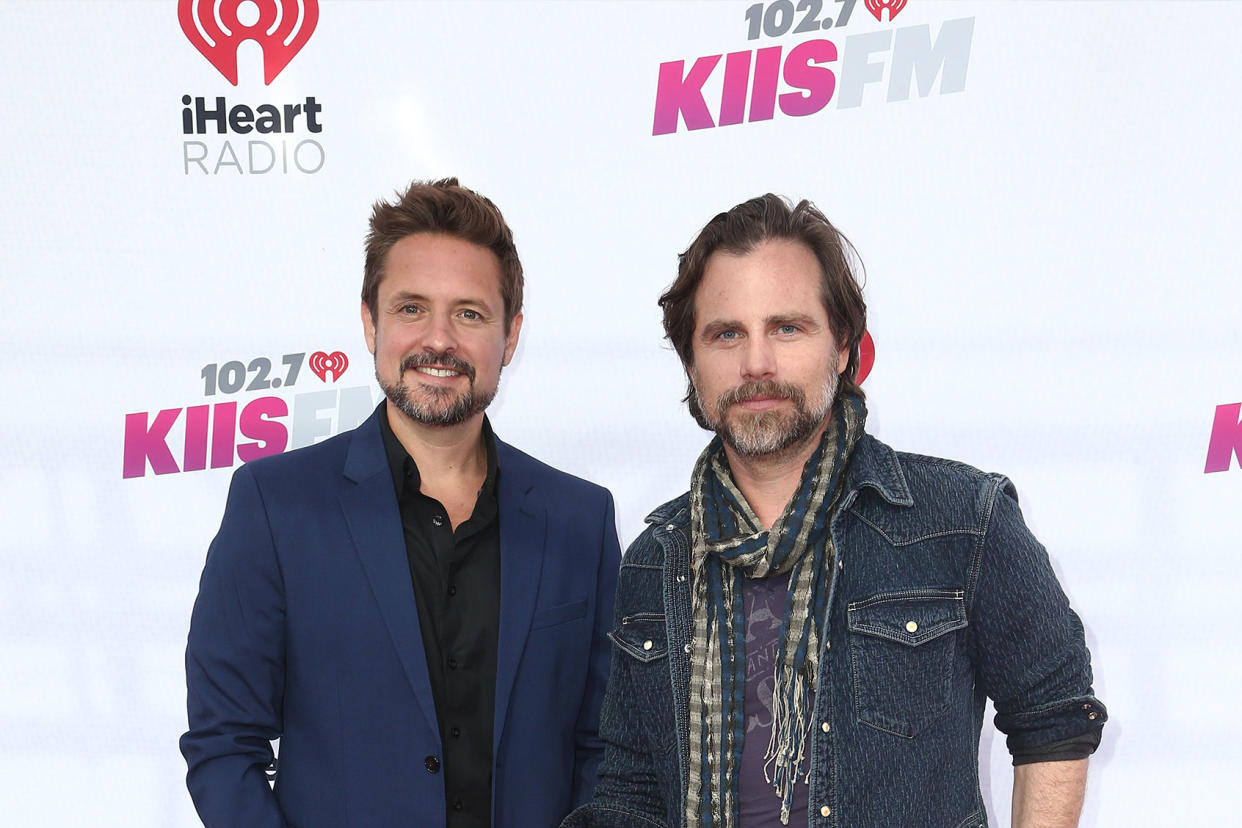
(1049,794)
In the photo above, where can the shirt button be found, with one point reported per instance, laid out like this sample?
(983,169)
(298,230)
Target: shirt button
(452,590)
(457,806)
(827,645)
(687,649)
(452,663)
(438,520)
(455,733)
(912,626)
(825,727)
(825,811)
(432,764)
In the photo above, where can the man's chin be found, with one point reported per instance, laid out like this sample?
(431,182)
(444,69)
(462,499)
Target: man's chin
(766,433)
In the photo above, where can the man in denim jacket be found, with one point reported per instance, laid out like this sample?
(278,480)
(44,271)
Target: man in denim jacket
(810,634)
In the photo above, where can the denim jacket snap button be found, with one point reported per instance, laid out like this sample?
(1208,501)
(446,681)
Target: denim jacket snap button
(912,626)
(647,644)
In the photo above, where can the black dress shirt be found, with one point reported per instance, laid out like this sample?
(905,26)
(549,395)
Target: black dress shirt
(456,575)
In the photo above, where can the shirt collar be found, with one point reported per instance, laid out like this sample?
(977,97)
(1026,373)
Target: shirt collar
(405,471)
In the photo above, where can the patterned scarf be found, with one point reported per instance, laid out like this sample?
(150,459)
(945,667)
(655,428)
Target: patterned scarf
(728,544)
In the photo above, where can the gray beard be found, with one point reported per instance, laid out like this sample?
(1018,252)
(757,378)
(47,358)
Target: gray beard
(769,432)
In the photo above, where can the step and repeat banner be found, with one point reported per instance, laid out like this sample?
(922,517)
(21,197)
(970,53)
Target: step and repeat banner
(1043,194)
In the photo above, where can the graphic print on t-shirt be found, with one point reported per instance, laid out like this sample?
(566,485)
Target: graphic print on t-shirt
(763,600)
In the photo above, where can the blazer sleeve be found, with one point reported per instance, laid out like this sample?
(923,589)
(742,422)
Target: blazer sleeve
(235,669)
(588,747)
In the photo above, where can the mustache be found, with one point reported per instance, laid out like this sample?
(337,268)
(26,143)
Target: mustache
(439,360)
(761,388)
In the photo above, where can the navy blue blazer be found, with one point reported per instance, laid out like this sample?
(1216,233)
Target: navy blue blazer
(305,630)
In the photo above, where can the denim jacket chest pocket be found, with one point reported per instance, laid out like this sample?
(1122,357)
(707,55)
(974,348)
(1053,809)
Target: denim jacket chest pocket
(642,639)
(902,649)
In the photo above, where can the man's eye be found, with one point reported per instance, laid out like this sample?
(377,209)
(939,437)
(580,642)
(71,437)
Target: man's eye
(472,315)
(727,335)
(788,329)
(409,309)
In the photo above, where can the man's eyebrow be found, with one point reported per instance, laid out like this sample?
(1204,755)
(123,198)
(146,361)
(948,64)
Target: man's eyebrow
(409,295)
(802,319)
(718,325)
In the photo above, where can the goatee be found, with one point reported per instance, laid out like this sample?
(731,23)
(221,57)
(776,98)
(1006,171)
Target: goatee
(761,433)
(447,407)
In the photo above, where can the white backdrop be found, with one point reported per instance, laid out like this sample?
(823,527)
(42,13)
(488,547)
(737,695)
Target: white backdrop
(1051,275)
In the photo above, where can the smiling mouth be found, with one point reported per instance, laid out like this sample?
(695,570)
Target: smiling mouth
(440,366)
(436,372)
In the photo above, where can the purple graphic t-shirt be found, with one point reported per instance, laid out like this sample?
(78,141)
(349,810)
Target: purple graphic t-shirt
(763,600)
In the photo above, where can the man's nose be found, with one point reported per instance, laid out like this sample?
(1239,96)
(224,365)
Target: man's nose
(758,359)
(440,335)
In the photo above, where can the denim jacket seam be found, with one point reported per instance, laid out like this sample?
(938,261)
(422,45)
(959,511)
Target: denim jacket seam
(898,543)
(614,809)
(665,534)
(985,525)
(969,820)
(1053,707)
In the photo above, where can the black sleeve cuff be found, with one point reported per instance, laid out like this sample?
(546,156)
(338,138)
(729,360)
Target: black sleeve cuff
(1075,747)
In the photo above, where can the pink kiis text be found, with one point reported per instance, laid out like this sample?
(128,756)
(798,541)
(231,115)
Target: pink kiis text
(1226,440)
(749,86)
(208,435)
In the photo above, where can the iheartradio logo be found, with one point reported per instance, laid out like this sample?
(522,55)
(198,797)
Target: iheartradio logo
(218,27)
(877,7)
(323,364)
(866,357)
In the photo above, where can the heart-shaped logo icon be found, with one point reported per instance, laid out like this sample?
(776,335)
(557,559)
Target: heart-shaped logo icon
(877,7)
(866,356)
(280,27)
(323,364)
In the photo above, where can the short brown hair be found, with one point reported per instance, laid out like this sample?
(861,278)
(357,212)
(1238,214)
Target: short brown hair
(442,206)
(739,231)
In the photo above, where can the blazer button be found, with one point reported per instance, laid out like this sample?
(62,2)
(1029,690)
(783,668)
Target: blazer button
(432,764)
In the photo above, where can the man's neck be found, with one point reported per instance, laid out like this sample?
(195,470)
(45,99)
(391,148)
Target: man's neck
(768,482)
(449,458)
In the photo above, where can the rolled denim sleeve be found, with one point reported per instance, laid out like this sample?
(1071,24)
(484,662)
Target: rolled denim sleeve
(1030,651)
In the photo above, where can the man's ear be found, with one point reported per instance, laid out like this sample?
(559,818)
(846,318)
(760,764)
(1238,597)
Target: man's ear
(511,339)
(368,327)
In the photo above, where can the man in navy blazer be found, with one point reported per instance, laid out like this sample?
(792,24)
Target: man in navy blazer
(416,610)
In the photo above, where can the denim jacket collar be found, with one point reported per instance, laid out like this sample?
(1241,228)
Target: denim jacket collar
(876,465)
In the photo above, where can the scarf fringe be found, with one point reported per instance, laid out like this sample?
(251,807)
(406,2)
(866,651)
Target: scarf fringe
(728,544)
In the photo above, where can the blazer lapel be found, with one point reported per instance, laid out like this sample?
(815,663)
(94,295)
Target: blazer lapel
(370,506)
(523,532)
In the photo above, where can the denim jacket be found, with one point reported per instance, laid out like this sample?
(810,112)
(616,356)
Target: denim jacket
(940,597)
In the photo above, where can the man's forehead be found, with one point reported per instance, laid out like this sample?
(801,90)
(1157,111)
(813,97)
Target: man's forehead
(440,266)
